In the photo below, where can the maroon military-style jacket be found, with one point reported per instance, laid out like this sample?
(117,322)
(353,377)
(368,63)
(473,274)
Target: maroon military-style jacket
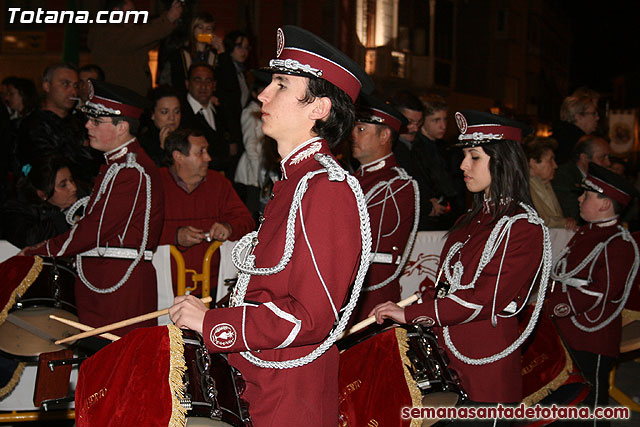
(214,200)
(593,303)
(468,311)
(391,213)
(288,314)
(138,295)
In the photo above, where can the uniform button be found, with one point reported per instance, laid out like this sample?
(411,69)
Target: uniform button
(254,241)
(272,196)
(261,219)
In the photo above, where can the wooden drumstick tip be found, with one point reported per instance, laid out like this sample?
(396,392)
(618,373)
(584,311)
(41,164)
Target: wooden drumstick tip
(122,324)
(82,327)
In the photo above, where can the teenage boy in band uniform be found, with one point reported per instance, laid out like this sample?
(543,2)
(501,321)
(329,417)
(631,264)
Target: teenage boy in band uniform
(295,272)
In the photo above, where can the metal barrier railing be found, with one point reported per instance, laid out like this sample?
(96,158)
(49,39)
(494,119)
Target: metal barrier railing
(204,277)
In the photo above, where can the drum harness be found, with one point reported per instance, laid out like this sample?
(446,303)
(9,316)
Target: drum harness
(106,187)
(389,194)
(567,279)
(246,266)
(500,231)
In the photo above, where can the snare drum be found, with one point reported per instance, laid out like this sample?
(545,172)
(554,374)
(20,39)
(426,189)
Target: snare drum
(212,387)
(159,376)
(50,293)
(385,369)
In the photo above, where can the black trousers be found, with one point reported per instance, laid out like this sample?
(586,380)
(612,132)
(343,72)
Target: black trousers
(595,368)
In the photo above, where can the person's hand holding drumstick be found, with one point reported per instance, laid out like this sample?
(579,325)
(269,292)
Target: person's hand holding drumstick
(388,310)
(188,312)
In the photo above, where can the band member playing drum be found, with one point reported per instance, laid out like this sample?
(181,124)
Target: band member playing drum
(593,279)
(314,241)
(114,241)
(392,199)
(493,257)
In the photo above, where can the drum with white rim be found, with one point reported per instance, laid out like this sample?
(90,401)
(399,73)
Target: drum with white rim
(27,331)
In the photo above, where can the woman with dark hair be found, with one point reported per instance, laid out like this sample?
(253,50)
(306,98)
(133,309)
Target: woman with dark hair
(202,46)
(22,97)
(232,89)
(164,118)
(494,257)
(38,211)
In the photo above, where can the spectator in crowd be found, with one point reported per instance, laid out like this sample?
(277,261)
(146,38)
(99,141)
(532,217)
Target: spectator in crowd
(413,110)
(201,46)
(251,173)
(200,204)
(114,240)
(37,212)
(198,112)
(429,166)
(86,72)
(542,168)
(21,97)
(391,199)
(56,129)
(3,93)
(567,180)
(121,50)
(22,100)
(578,117)
(164,118)
(232,89)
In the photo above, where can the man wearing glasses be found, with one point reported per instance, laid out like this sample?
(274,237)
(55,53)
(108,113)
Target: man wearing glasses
(114,241)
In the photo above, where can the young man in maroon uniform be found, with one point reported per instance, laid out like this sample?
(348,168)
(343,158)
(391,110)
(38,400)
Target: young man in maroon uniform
(314,241)
(593,278)
(115,239)
(392,198)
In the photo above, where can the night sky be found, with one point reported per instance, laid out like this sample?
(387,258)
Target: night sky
(606,44)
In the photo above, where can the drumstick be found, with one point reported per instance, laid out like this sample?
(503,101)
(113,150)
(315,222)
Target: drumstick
(369,320)
(82,327)
(122,324)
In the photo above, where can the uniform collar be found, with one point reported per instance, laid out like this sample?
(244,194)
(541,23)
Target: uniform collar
(607,222)
(118,152)
(300,155)
(375,165)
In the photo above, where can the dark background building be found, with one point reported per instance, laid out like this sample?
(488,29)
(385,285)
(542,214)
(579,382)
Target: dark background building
(518,57)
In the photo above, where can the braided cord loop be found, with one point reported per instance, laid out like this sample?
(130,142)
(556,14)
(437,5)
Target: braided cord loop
(244,261)
(560,274)
(499,232)
(386,185)
(108,181)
